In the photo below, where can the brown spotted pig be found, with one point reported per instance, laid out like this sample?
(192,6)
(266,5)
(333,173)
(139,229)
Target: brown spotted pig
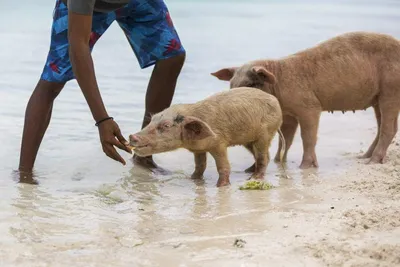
(241,116)
(352,71)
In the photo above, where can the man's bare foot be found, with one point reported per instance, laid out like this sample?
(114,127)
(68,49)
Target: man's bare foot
(148,163)
(26,177)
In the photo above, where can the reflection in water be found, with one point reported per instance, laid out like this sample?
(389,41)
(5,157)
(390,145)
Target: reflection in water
(29,209)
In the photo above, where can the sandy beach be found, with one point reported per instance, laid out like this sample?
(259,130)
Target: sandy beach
(88,210)
(347,218)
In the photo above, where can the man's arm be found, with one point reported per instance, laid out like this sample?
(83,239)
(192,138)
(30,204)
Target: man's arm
(79,29)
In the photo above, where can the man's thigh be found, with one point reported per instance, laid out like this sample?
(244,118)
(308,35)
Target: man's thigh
(149,29)
(58,66)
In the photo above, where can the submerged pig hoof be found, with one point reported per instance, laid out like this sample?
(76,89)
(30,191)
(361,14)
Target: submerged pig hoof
(250,169)
(257,176)
(308,165)
(196,176)
(221,183)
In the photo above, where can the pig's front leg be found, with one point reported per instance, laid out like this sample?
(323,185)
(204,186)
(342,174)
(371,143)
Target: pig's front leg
(220,155)
(200,160)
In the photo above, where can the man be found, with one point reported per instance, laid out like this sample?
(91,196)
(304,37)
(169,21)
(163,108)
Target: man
(77,25)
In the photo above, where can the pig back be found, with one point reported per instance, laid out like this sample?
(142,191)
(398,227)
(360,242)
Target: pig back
(240,115)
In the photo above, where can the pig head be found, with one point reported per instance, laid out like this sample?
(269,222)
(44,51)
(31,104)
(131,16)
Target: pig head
(168,131)
(248,75)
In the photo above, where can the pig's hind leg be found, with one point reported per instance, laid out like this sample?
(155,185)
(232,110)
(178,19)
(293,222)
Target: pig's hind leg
(261,149)
(371,149)
(389,107)
(250,148)
(220,154)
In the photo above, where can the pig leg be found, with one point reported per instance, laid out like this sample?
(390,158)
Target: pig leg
(252,168)
(261,148)
(220,155)
(390,114)
(200,160)
(309,122)
(368,154)
(288,128)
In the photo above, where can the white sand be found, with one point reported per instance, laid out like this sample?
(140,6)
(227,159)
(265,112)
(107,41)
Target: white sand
(356,221)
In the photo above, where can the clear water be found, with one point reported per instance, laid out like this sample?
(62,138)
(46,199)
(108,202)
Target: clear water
(91,211)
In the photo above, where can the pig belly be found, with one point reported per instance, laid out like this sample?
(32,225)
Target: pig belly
(243,138)
(345,103)
(350,96)
(349,83)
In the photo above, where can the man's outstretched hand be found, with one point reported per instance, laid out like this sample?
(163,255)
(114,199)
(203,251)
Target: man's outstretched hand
(110,136)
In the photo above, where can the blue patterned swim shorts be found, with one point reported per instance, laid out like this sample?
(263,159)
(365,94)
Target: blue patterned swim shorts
(146,24)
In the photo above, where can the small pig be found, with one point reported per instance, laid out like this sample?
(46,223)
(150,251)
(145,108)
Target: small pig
(241,116)
(349,72)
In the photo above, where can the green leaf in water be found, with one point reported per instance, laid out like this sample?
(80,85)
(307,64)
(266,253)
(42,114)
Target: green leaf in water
(256,185)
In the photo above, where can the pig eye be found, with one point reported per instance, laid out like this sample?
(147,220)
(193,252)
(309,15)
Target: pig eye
(163,126)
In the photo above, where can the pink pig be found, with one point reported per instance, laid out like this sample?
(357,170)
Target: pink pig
(242,116)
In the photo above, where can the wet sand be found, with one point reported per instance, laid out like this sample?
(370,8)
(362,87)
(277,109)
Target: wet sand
(345,213)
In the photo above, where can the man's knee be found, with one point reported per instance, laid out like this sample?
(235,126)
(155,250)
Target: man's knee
(173,64)
(180,59)
(50,89)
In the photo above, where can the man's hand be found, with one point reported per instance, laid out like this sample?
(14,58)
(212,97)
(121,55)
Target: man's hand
(110,136)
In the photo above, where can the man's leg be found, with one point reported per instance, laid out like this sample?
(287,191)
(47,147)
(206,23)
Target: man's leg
(151,33)
(56,72)
(37,119)
(160,92)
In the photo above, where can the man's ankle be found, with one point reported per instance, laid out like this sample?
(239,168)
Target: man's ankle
(24,169)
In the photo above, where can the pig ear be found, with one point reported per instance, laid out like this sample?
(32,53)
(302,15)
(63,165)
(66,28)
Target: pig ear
(225,74)
(196,129)
(263,73)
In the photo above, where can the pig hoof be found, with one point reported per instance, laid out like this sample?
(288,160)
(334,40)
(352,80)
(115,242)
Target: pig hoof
(196,176)
(258,176)
(250,169)
(308,165)
(375,161)
(365,156)
(221,183)
(278,160)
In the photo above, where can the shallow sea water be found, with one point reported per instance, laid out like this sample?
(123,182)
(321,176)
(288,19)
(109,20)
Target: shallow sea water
(91,211)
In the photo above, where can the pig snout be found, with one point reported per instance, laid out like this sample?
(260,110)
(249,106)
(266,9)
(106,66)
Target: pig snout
(138,140)
(133,139)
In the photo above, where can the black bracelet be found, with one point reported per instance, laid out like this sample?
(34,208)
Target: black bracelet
(100,121)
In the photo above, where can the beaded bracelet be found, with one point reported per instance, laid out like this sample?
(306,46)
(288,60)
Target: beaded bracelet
(100,121)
